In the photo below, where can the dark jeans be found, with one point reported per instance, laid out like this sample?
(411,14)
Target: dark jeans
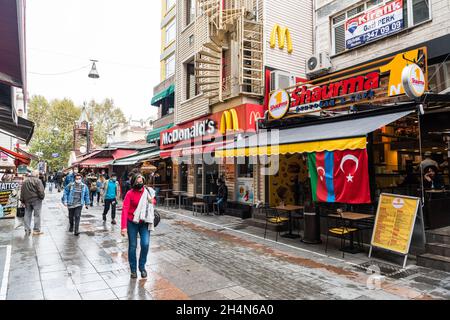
(74,218)
(110,203)
(221,203)
(133,230)
(92,195)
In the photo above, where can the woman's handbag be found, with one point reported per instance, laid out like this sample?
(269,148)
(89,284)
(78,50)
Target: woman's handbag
(157,218)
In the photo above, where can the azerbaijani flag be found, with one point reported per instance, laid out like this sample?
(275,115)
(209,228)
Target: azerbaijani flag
(340,176)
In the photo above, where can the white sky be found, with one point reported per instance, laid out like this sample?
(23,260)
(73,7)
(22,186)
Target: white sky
(62,35)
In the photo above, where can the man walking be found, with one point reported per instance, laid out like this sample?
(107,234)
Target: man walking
(112,194)
(32,193)
(76,195)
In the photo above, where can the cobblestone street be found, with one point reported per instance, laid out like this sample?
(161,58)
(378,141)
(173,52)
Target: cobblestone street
(205,257)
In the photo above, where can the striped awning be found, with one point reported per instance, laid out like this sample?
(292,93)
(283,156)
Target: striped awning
(339,135)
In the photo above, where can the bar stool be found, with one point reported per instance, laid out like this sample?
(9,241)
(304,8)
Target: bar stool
(170,203)
(198,207)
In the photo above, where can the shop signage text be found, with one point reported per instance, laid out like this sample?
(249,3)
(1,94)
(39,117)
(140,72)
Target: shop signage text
(377,81)
(241,118)
(413,81)
(199,129)
(374,24)
(279,104)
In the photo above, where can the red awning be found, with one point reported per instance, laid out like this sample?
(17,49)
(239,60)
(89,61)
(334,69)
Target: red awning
(93,162)
(22,158)
(191,150)
(122,153)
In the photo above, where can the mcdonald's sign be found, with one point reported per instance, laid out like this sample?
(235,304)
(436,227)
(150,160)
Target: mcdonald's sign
(240,118)
(284,37)
(229,121)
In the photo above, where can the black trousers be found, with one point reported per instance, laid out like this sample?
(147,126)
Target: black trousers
(92,195)
(110,203)
(74,218)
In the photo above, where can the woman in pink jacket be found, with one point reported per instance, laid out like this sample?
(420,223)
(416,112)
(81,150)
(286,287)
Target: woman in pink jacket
(130,203)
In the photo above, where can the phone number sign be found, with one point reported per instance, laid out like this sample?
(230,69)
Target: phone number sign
(374,24)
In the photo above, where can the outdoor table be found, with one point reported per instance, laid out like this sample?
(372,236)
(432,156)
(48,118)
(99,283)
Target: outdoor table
(179,194)
(167,191)
(289,209)
(352,216)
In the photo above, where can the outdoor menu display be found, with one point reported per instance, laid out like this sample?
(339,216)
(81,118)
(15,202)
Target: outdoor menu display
(394,222)
(9,197)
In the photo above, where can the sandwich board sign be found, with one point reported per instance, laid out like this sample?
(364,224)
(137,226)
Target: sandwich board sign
(394,223)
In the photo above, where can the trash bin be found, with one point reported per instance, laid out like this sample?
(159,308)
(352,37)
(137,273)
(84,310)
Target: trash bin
(312,227)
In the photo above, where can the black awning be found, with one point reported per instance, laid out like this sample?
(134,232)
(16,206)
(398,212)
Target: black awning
(23,130)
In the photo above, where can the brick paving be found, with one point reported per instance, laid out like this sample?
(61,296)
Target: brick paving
(199,258)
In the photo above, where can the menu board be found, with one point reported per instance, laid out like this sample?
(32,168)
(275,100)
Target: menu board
(394,222)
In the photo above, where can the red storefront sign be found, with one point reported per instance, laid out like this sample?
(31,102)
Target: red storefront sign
(242,118)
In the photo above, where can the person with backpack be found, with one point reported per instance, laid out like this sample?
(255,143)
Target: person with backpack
(76,195)
(92,183)
(111,196)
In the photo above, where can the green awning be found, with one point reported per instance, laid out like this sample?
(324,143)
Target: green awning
(163,94)
(154,134)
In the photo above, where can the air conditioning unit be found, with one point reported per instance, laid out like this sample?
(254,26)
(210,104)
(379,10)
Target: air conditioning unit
(281,80)
(318,64)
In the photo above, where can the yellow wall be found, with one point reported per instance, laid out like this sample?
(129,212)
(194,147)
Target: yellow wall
(164,13)
(281,185)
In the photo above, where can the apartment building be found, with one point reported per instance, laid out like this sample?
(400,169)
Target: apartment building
(229,55)
(164,92)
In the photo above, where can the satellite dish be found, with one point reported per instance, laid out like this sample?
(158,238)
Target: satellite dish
(83,149)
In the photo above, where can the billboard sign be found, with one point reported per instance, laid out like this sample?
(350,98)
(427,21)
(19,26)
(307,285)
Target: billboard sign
(374,24)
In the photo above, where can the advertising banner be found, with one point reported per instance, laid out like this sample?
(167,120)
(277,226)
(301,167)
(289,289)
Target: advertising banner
(374,24)
(394,222)
(244,191)
(9,199)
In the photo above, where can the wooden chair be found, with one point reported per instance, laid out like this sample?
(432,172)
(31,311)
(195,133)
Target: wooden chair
(198,207)
(170,203)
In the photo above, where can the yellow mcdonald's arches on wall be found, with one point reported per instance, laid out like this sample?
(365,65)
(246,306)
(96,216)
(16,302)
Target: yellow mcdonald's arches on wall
(283,35)
(229,121)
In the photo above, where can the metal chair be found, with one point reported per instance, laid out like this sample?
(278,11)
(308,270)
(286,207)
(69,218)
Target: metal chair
(340,230)
(170,203)
(273,217)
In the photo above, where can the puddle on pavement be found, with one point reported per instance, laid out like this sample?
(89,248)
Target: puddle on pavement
(385,269)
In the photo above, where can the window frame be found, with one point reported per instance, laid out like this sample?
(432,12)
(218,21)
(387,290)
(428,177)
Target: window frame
(170,58)
(172,24)
(410,21)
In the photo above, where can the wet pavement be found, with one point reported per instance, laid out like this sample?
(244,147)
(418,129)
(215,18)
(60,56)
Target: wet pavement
(200,258)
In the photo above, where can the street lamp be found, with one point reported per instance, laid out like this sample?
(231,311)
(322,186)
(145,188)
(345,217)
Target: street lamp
(94,73)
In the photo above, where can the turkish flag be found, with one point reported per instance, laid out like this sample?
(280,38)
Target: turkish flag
(351,176)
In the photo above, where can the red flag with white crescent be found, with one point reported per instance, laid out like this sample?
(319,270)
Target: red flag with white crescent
(351,176)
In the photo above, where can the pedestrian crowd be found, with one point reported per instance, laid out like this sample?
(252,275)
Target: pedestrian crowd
(81,190)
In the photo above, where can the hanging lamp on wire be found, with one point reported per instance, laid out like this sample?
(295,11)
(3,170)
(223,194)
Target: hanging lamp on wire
(94,73)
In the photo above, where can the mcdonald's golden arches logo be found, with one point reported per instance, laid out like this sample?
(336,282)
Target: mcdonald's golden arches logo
(229,121)
(284,37)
